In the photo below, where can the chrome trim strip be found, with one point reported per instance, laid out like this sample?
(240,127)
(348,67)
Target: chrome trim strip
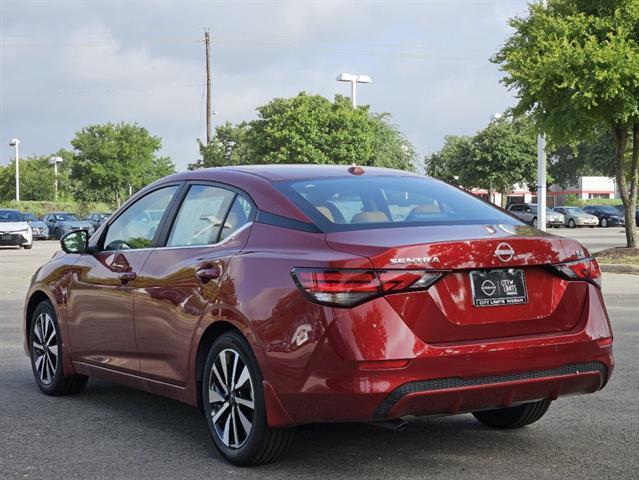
(210,245)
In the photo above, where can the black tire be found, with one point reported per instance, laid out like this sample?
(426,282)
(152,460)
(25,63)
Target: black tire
(604,223)
(534,222)
(262,444)
(57,234)
(571,223)
(58,383)
(513,417)
(28,247)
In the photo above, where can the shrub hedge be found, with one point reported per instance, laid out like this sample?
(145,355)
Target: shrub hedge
(40,208)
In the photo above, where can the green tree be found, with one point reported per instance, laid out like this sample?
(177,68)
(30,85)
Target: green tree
(36,179)
(447,163)
(575,68)
(112,159)
(229,147)
(312,129)
(495,158)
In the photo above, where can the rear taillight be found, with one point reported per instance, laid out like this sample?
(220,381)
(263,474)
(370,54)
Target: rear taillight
(347,288)
(586,269)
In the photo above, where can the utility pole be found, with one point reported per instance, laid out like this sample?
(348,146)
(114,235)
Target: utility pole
(207,42)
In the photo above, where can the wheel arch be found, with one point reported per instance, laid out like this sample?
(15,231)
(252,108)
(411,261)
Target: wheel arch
(212,332)
(276,413)
(35,299)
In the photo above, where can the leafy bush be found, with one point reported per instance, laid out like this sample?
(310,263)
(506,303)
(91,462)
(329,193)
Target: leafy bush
(41,208)
(573,200)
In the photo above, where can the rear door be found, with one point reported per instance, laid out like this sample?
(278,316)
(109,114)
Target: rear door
(185,278)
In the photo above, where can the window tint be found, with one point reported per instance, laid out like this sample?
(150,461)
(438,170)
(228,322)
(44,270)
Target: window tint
(10,216)
(137,226)
(239,215)
(388,201)
(200,217)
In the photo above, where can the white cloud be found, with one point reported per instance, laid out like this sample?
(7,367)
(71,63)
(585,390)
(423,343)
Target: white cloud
(85,62)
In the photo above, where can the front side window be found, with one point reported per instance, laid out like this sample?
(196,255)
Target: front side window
(65,217)
(200,218)
(337,204)
(137,226)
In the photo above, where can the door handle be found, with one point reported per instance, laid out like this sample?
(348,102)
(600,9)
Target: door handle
(207,274)
(127,277)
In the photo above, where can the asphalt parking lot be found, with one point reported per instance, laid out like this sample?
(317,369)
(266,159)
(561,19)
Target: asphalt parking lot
(113,432)
(594,239)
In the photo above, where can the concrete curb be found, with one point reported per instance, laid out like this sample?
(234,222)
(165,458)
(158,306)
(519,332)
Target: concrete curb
(618,268)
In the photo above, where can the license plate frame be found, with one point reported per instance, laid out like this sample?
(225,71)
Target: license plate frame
(498,287)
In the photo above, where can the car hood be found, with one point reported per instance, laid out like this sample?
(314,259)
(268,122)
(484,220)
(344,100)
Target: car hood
(76,224)
(13,226)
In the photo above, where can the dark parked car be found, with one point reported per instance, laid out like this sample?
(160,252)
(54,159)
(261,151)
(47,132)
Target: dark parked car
(60,223)
(97,218)
(608,215)
(38,227)
(622,209)
(271,297)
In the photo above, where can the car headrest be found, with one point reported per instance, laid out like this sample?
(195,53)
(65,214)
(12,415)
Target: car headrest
(369,217)
(326,212)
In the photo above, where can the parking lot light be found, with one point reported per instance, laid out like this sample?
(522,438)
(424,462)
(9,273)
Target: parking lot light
(54,161)
(14,143)
(354,79)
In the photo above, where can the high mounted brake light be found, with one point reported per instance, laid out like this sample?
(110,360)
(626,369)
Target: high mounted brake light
(347,288)
(585,269)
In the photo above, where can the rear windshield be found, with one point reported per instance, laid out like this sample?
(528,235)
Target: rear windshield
(338,204)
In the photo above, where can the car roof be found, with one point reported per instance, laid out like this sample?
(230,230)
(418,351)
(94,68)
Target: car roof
(275,173)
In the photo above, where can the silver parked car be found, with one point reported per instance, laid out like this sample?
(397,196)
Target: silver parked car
(576,217)
(528,213)
(60,223)
(39,229)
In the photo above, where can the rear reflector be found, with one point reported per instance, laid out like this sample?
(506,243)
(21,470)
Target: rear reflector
(586,269)
(383,365)
(347,288)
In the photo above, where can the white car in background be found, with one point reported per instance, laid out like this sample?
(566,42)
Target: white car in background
(15,230)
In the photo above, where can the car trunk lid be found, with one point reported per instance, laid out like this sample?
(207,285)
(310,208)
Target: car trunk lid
(447,312)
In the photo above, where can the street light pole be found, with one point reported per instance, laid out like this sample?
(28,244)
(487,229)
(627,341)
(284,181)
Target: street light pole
(14,143)
(541,182)
(541,172)
(54,161)
(353,80)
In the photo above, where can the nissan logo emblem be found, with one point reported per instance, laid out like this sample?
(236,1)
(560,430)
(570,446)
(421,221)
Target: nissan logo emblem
(504,252)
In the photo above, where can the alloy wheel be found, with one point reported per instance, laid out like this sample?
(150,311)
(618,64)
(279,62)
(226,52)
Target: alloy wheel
(45,348)
(231,397)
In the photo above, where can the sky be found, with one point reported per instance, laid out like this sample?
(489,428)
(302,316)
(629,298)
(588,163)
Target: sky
(67,64)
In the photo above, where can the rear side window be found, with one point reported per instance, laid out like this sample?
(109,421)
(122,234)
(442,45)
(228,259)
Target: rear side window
(337,204)
(200,218)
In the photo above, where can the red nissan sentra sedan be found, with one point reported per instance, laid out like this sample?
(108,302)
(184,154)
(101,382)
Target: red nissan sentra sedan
(273,296)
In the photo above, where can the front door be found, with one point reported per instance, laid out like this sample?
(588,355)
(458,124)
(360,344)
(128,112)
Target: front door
(101,326)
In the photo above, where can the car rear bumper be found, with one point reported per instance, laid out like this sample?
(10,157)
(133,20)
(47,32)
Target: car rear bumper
(446,378)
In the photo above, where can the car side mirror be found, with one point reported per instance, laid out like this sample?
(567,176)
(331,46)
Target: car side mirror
(76,241)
